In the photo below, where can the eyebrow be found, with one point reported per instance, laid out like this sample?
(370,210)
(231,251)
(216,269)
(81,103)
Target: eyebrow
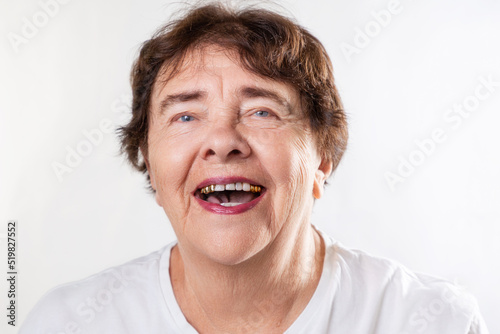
(170,100)
(255,92)
(248,92)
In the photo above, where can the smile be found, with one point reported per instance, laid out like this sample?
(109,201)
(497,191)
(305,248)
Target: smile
(229,197)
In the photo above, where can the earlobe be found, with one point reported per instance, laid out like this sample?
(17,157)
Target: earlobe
(323,172)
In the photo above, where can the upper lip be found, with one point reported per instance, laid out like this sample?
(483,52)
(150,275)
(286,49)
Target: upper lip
(226,180)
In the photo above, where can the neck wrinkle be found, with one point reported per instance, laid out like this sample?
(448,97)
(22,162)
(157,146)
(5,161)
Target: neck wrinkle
(277,286)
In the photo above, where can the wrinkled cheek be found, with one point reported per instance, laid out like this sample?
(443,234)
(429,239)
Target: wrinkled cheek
(166,179)
(299,187)
(303,175)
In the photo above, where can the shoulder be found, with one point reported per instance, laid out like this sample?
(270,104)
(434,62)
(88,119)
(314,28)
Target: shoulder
(396,298)
(106,295)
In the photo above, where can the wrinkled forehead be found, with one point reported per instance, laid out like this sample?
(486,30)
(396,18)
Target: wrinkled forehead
(214,59)
(203,58)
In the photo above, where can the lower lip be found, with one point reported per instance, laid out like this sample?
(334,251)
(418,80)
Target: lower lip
(229,210)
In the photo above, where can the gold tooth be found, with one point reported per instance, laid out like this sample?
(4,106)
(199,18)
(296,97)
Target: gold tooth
(211,188)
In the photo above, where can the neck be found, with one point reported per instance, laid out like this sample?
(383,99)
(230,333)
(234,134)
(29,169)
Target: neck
(269,290)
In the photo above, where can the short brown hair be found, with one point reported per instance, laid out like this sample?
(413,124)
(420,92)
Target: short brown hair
(268,44)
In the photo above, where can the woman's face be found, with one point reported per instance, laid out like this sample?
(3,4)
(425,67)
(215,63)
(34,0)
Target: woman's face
(215,129)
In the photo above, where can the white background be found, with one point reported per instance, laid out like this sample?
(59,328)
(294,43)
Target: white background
(73,73)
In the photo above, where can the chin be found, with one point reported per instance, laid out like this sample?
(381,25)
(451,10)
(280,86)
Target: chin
(231,246)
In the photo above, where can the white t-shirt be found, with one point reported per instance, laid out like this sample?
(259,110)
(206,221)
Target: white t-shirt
(357,294)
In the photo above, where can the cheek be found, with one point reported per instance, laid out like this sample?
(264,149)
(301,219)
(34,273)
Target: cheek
(290,166)
(302,166)
(170,162)
(287,156)
(264,138)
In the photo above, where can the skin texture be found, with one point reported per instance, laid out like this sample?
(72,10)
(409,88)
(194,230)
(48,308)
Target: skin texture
(226,267)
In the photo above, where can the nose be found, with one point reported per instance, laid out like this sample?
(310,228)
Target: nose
(224,142)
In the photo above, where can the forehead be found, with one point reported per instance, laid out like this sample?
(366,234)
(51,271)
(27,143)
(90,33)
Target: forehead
(212,65)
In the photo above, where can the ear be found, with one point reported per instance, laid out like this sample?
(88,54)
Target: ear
(323,172)
(152,177)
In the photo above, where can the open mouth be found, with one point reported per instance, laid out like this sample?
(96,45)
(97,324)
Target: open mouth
(230,194)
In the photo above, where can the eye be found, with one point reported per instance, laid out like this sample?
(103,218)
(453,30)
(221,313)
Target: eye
(186,118)
(262,113)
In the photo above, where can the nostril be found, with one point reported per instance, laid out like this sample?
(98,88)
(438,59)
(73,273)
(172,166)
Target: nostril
(235,152)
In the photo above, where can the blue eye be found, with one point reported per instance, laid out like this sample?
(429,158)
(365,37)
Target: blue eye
(186,118)
(262,113)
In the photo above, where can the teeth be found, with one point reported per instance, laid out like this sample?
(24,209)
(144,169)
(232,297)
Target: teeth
(239,186)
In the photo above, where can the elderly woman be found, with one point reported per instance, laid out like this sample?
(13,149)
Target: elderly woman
(238,124)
